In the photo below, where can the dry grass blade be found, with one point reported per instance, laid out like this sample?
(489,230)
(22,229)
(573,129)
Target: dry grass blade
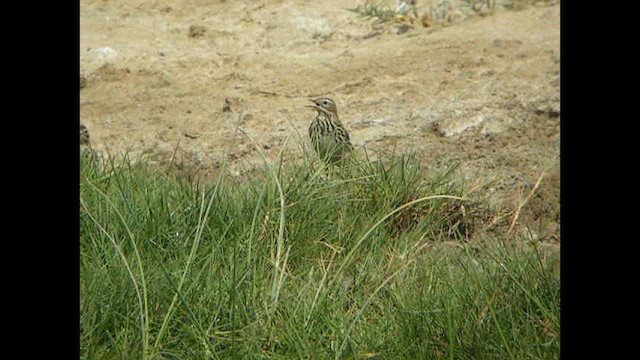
(521,204)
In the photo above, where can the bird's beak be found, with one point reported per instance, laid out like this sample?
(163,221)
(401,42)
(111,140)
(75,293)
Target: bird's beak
(314,106)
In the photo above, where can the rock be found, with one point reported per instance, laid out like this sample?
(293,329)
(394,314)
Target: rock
(104,53)
(231,104)
(551,110)
(398,29)
(315,25)
(226,107)
(456,126)
(196,31)
(405,6)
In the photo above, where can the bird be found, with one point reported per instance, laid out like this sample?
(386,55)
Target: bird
(84,136)
(330,139)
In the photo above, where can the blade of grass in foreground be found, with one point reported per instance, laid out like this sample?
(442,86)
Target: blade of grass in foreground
(204,214)
(410,290)
(348,257)
(141,295)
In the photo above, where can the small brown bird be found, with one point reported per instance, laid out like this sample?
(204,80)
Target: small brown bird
(329,137)
(84,136)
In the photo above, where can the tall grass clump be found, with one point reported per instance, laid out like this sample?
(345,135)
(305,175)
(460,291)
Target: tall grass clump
(299,261)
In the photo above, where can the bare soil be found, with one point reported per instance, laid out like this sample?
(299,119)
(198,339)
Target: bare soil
(225,80)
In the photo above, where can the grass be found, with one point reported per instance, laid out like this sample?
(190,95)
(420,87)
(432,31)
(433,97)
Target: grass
(378,10)
(444,11)
(292,263)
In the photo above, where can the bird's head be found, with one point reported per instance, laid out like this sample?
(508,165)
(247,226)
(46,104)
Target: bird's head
(325,105)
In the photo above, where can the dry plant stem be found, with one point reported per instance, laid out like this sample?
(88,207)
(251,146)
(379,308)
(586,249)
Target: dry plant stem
(522,203)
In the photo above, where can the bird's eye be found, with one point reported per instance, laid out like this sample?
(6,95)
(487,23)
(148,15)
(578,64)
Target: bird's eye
(325,102)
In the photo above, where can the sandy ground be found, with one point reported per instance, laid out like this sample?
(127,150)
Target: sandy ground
(216,79)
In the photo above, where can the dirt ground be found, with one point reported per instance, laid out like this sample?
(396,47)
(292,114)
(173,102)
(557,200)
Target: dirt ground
(216,79)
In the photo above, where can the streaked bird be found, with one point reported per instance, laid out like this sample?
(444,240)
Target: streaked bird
(329,137)
(84,136)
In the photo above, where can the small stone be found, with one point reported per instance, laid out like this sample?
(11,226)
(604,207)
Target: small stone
(226,107)
(552,110)
(231,104)
(398,29)
(196,31)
